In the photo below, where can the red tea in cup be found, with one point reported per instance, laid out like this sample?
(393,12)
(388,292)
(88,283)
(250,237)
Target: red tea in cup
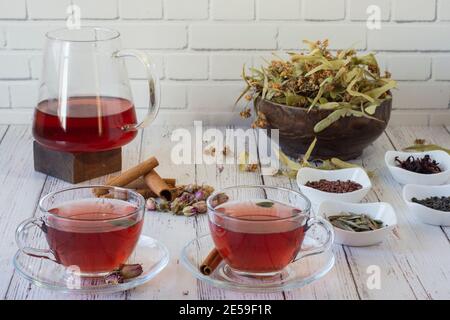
(95,235)
(257,236)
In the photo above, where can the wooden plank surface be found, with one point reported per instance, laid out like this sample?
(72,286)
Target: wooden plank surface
(414,262)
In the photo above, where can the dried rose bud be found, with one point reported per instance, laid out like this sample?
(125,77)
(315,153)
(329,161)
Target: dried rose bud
(151,204)
(200,195)
(175,205)
(200,206)
(189,211)
(163,205)
(114,278)
(128,271)
(190,188)
(219,199)
(186,197)
(208,190)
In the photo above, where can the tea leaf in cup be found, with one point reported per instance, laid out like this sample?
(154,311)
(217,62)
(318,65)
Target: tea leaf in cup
(265,204)
(123,222)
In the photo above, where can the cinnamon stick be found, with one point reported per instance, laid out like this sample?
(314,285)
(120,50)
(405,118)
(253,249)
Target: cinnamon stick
(139,183)
(158,185)
(211,262)
(131,174)
(146,193)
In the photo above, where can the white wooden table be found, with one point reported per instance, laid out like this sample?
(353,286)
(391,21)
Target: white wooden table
(414,264)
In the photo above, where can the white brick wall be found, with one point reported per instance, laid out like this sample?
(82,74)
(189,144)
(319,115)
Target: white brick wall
(200,46)
(324,9)
(13,9)
(414,10)
(232,9)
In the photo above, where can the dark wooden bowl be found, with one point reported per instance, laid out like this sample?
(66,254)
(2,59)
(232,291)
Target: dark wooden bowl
(345,139)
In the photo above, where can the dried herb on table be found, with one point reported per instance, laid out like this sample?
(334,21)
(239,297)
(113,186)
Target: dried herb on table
(348,84)
(436,203)
(355,222)
(124,272)
(187,200)
(423,165)
(420,145)
(330,164)
(337,186)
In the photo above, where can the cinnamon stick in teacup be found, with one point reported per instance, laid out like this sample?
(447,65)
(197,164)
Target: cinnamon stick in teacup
(211,262)
(131,174)
(158,185)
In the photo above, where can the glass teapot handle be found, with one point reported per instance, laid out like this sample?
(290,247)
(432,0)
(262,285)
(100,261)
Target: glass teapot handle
(154,89)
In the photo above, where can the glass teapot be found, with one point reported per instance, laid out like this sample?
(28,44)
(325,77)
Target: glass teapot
(85,102)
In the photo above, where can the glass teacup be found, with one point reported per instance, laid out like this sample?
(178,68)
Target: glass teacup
(90,234)
(259,230)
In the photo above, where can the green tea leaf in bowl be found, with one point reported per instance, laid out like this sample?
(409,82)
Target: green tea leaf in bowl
(355,222)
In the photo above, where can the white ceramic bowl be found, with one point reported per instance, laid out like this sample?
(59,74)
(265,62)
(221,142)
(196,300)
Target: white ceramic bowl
(378,210)
(423,213)
(316,196)
(408,177)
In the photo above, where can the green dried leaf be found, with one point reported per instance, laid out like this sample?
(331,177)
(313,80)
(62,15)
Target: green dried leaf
(265,204)
(332,117)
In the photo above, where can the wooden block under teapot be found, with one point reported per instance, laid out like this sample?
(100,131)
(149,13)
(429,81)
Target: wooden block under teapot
(76,167)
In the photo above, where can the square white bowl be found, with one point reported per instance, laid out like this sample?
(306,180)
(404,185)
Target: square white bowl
(378,210)
(408,177)
(423,213)
(316,196)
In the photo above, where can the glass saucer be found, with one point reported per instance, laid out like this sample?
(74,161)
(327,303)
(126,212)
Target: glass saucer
(298,274)
(44,273)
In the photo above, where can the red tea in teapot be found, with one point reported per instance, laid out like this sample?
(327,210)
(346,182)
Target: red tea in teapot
(84,124)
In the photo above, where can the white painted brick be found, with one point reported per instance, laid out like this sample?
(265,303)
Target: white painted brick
(358,9)
(232,9)
(229,66)
(440,118)
(279,10)
(444,10)
(441,67)
(414,10)
(13,9)
(98,9)
(36,66)
(2,38)
(27,36)
(141,9)
(232,36)
(409,37)
(14,66)
(213,97)
(24,95)
(339,36)
(409,118)
(47,9)
(154,36)
(186,10)
(421,96)
(4,96)
(324,9)
(173,96)
(410,67)
(187,66)
(137,71)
